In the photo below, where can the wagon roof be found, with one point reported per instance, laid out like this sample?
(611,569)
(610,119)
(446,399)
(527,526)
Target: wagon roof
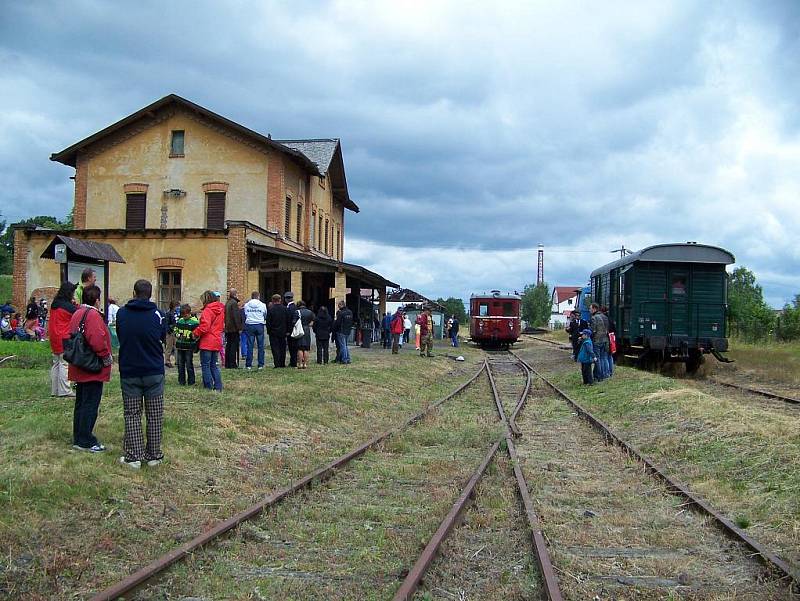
(497,296)
(686,252)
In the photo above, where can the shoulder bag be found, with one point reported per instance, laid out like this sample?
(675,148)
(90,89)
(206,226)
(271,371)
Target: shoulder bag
(78,352)
(297,330)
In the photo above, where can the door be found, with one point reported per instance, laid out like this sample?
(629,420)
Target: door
(679,302)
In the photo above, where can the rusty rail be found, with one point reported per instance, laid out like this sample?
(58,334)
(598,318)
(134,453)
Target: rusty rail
(414,577)
(549,577)
(764,393)
(769,558)
(146,573)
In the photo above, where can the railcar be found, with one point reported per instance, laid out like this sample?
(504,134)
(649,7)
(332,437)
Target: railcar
(494,319)
(669,302)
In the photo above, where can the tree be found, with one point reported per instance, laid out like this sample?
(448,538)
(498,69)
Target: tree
(7,236)
(536,304)
(750,316)
(787,326)
(454,306)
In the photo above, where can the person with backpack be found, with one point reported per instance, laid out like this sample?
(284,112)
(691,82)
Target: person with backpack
(306,318)
(396,328)
(89,384)
(587,357)
(185,345)
(277,318)
(454,331)
(342,326)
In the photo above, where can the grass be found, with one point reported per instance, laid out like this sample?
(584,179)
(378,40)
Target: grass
(71,523)
(776,363)
(5,287)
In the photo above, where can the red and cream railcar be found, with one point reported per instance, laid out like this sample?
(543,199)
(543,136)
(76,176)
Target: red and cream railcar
(494,318)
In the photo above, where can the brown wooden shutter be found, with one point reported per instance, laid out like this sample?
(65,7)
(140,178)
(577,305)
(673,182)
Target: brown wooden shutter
(215,210)
(135,211)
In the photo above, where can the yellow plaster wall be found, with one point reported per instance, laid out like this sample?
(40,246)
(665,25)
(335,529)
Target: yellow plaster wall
(204,268)
(209,156)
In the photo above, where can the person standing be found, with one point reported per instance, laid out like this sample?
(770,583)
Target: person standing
(612,342)
(142,330)
(185,345)
(575,326)
(209,334)
(291,317)
(233,328)
(599,327)
(406,327)
(88,278)
(304,342)
(587,356)
(277,318)
(322,330)
(396,329)
(89,385)
(425,322)
(386,330)
(342,326)
(113,307)
(169,344)
(454,331)
(57,330)
(255,317)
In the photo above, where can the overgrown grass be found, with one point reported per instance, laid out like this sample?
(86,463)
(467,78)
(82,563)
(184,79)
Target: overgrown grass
(72,522)
(5,288)
(773,362)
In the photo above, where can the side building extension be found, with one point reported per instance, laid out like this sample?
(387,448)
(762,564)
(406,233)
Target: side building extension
(194,201)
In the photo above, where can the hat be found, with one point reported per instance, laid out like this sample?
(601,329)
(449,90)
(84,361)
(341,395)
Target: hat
(289,295)
(217,293)
(588,332)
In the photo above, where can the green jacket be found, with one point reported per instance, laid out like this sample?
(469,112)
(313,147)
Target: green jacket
(184,340)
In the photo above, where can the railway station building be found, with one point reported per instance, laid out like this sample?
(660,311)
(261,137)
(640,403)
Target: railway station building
(194,201)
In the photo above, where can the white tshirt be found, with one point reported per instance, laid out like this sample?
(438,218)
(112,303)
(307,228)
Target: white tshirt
(255,312)
(112,313)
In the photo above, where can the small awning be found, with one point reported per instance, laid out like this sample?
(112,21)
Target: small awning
(83,250)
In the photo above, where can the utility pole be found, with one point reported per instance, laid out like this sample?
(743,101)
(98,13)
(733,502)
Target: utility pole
(621,250)
(540,267)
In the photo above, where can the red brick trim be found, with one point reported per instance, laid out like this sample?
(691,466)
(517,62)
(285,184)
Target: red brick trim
(20,280)
(81,188)
(237,258)
(215,187)
(169,262)
(135,188)
(276,192)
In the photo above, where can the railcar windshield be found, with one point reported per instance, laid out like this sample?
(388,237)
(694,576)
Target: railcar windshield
(508,309)
(483,309)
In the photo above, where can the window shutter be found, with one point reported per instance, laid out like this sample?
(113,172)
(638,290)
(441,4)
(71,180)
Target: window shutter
(215,210)
(135,211)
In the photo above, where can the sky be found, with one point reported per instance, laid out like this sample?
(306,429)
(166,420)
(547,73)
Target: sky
(471,131)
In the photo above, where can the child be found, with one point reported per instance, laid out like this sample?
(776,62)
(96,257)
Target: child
(586,356)
(185,344)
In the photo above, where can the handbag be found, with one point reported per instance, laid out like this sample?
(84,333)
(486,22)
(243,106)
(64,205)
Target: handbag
(297,330)
(78,352)
(612,342)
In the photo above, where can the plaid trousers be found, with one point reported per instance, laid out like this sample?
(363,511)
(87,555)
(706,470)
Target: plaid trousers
(136,392)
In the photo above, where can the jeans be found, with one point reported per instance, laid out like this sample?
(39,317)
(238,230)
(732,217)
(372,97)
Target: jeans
(454,339)
(212,377)
(243,346)
(87,405)
(601,350)
(255,332)
(344,352)
(609,364)
(277,345)
(185,367)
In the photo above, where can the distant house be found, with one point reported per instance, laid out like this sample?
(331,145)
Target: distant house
(413,302)
(563,302)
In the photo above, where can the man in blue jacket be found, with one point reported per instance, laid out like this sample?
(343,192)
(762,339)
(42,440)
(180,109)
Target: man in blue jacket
(141,329)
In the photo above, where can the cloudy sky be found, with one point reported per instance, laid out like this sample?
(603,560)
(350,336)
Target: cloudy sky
(472,131)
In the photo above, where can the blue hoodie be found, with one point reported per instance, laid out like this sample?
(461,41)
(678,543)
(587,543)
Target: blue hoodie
(586,353)
(141,329)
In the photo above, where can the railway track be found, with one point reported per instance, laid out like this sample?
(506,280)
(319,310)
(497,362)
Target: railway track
(615,534)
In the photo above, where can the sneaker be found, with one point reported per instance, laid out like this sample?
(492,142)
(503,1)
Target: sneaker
(155,462)
(97,448)
(249,369)
(260,367)
(134,465)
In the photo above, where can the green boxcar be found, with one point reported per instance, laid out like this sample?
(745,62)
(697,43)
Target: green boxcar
(668,301)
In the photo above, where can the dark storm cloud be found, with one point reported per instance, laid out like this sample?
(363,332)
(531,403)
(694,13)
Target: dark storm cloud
(463,127)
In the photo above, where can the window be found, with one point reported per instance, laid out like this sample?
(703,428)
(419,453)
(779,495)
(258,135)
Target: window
(176,144)
(326,237)
(679,285)
(338,243)
(319,235)
(215,210)
(299,224)
(169,287)
(508,310)
(135,211)
(483,309)
(311,224)
(287,217)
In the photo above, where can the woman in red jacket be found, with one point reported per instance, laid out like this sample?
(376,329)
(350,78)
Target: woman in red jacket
(210,332)
(89,386)
(57,329)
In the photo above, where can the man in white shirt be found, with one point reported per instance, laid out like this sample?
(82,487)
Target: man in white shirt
(255,316)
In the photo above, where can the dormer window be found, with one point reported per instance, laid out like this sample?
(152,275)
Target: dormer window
(176,144)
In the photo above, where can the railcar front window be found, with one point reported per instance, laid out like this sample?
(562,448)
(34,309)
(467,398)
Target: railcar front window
(508,310)
(483,309)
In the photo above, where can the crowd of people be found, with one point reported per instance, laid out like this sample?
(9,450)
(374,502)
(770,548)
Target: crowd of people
(593,344)
(32,327)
